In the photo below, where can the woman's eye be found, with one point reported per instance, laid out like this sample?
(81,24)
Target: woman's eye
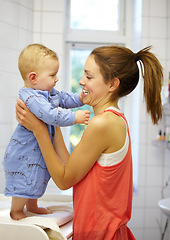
(88,77)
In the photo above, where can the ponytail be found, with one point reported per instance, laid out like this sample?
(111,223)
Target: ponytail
(152,72)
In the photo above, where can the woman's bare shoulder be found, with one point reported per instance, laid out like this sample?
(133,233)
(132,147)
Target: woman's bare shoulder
(109,129)
(107,119)
(97,123)
(105,125)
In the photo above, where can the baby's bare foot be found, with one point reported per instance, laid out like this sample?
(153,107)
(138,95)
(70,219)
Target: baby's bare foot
(17,215)
(40,210)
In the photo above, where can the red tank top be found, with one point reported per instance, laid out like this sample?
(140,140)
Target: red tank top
(103,201)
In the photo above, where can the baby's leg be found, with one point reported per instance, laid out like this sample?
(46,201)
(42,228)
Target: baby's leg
(17,208)
(32,206)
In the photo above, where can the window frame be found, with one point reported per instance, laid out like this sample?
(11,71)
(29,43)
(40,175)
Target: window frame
(90,36)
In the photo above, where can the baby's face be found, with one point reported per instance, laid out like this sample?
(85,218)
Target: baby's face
(47,74)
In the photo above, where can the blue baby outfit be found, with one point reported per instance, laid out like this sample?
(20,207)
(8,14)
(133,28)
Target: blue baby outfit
(25,170)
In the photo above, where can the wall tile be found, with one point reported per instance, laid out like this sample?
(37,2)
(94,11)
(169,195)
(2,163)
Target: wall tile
(25,38)
(25,18)
(157,8)
(152,233)
(154,176)
(9,12)
(37,38)
(151,217)
(7,34)
(137,219)
(27,3)
(155,156)
(6,133)
(144,42)
(8,64)
(166,157)
(8,82)
(142,155)
(145,8)
(54,41)
(168,9)
(159,47)
(157,28)
(142,177)
(38,5)
(168,48)
(37,26)
(138,233)
(53,5)
(153,195)
(145,27)
(143,133)
(7,110)
(139,198)
(144,116)
(2,152)
(52,22)
(2,179)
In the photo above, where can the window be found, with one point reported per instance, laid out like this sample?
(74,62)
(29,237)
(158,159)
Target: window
(95,21)
(90,15)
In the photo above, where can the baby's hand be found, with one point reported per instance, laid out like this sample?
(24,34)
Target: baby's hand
(82,116)
(81,96)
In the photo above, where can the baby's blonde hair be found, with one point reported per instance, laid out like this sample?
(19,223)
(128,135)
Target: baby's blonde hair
(31,58)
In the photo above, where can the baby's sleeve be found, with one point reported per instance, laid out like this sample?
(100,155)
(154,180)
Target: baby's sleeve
(69,100)
(39,105)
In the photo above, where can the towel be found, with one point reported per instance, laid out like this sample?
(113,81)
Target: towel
(50,223)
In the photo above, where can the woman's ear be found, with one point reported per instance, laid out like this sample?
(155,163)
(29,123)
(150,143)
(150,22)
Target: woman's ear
(114,84)
(33,78)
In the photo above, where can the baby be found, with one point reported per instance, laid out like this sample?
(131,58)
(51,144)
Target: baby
(25,170)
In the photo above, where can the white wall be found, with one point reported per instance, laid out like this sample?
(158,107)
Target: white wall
(49,28)
(20,25)
(16,23)
(147,219)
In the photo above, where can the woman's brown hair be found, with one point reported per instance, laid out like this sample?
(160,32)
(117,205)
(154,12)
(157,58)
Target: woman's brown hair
(121,62)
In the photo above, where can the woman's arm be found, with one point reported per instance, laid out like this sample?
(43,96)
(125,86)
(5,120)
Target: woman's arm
(80,161)
(83,157)
(60,147)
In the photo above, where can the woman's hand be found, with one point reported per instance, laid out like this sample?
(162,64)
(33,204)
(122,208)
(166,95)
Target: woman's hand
(27,118)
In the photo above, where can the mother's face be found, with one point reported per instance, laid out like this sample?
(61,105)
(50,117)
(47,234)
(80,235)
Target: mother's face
(95,90)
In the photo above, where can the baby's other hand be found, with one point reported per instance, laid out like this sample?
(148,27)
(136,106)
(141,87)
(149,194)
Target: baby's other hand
(82,116)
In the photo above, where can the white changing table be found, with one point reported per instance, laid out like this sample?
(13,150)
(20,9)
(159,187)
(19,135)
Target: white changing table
(26,229)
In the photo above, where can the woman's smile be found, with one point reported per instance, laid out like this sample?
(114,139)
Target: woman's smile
(85,93)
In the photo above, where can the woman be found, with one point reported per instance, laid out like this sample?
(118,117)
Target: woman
(100,167)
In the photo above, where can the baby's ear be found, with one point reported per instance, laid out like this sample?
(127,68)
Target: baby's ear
(33,78)
(114,84)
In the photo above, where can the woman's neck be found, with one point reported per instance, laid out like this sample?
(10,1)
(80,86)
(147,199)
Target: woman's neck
(99,109)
